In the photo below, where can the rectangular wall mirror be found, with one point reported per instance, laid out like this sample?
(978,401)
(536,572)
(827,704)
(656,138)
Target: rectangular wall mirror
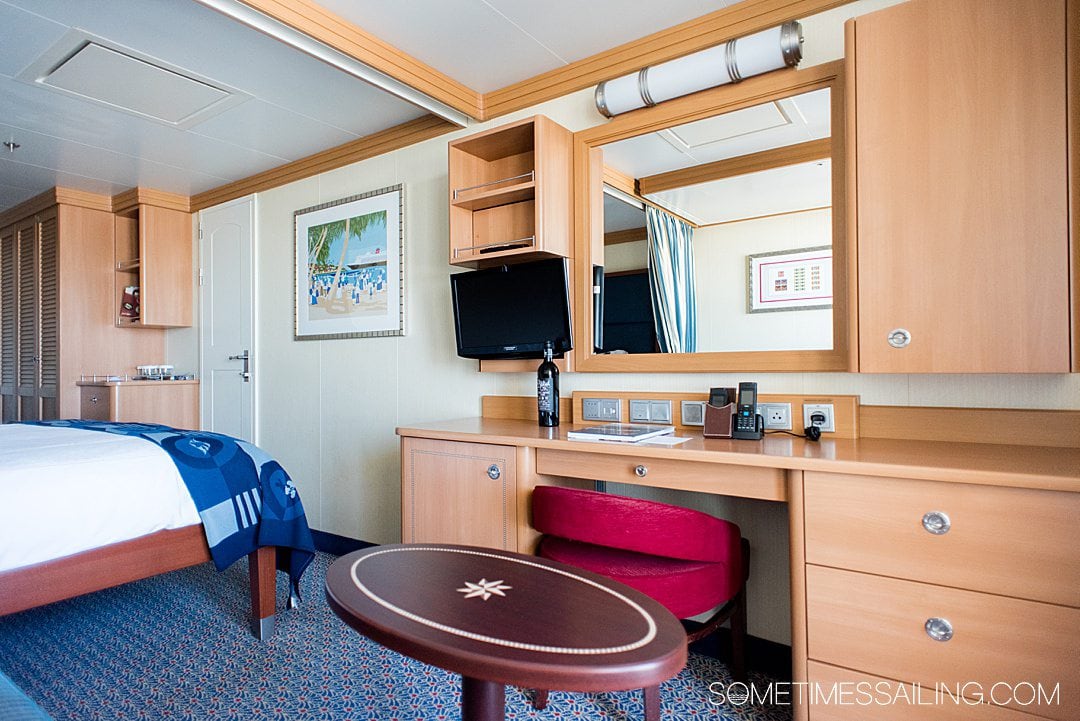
(718,220)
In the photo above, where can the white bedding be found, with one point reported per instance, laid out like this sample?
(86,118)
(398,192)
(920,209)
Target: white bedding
(66,490)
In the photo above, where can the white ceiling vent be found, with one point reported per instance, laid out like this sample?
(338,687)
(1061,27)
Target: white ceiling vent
(95,69)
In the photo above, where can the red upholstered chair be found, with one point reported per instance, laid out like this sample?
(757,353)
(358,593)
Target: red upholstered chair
(687,560)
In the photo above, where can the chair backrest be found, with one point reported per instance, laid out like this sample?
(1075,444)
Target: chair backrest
(633,524)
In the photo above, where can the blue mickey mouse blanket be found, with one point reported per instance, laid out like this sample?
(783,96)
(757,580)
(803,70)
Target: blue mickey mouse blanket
(244,497)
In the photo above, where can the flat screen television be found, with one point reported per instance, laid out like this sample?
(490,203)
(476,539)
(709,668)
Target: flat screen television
(509,311)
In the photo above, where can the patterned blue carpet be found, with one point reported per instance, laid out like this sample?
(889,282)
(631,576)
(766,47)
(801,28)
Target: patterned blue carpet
(177,647)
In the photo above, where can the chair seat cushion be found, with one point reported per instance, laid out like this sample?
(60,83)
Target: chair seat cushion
(686,588)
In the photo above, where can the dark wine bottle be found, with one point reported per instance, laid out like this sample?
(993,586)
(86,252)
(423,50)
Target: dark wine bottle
(547,389)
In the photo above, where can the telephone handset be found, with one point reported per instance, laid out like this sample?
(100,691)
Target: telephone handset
(747,426)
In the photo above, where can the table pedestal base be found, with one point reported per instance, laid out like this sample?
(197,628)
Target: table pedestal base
(482,700)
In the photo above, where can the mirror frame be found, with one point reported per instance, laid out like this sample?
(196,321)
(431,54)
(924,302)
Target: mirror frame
(589,227)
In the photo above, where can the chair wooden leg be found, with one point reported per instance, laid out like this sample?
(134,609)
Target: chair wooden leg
(540,699)
(652,703)
(738,638)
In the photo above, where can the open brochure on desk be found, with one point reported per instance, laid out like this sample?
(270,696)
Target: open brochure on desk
(619,432)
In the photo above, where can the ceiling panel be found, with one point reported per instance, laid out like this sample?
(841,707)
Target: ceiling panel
(68,120)
(273,130)
(489,45)
(468,40)
(24,36)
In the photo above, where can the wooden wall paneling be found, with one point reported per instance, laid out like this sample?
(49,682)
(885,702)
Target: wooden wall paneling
(522,408)
(1013,426)
(962,188)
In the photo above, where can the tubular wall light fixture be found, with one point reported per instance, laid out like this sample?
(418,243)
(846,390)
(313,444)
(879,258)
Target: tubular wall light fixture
(736,59)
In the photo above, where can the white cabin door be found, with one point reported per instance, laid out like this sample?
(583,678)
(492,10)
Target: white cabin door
(226,319)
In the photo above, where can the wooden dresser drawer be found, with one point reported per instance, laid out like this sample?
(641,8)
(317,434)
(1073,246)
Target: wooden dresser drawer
(877,625)
(96,403)
(873,697)
(745,481)
(1012,541)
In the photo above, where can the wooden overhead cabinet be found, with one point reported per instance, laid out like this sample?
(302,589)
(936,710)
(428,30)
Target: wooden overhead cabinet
(961,185)
(511,193)
(153,253)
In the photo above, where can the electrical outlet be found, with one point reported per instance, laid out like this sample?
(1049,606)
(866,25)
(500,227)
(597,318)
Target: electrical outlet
(820,415)
(639,411)
(601,409)
(693,413)
(660,411)
(777,416)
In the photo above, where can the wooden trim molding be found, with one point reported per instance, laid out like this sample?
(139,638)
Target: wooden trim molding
(148,196)
(55,196)
(706,31)
(370,146)
(324,26)
(740,165)
(629,235)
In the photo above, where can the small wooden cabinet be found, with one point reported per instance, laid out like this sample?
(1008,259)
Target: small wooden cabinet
(511,193)
(153,253)
(172,403)
(961,186)
(453,492)
(991,571)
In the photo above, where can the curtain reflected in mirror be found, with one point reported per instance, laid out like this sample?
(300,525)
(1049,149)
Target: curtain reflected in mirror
(747,183)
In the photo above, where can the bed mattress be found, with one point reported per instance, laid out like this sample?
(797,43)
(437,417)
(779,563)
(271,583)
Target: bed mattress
(67,490)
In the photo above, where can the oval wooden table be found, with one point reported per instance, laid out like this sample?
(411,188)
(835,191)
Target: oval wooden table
(501,618)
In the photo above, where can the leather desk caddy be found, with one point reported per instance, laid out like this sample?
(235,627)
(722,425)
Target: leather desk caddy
(719,413)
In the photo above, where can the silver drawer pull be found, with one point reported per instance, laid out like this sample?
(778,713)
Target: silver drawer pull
(938,629)
(899,337)
(494,472)
(936,522)
(93,399)
(641,471)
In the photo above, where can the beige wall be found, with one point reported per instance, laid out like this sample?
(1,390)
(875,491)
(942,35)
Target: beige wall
(327,409)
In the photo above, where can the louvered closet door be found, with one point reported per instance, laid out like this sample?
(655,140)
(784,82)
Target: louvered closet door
(9,323)
(26,236)
(47,390)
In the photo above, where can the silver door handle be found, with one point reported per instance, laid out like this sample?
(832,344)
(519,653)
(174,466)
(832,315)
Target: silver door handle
(246,373)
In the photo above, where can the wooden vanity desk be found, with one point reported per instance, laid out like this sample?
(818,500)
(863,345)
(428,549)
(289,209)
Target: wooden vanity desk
(912,561)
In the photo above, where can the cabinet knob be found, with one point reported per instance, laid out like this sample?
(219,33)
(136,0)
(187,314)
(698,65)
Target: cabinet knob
(936,522)
(641,471)
(939,629)
(93,399)
(494,472)
(899,337)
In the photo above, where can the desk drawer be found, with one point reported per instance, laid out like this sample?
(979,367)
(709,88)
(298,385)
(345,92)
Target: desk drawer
(865,697)
(877,625)
(1013,541)
(726,479)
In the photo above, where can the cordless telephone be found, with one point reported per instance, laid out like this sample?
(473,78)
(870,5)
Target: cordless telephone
(746,425)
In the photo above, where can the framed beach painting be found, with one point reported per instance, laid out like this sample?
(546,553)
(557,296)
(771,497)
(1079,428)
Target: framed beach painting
(350,267)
